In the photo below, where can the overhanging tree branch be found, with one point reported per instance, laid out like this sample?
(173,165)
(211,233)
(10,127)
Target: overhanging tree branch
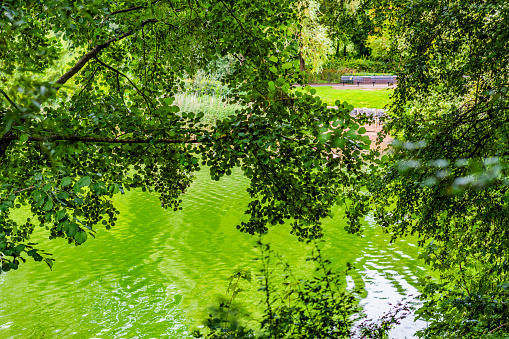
(125,76)
(92,53)
(105,140)
(147,140)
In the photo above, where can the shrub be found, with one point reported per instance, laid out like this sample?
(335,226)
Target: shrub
(297,308)
(337,66)
(317,307)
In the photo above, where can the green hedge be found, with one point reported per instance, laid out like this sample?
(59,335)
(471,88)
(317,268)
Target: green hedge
(337,67)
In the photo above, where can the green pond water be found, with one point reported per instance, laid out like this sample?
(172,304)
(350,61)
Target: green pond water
(158,272)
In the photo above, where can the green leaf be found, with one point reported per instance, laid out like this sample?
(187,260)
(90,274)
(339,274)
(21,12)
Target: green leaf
(71,230)
(49,262)
(272,87)
(66,182)
(18,249)
(287,65)
(273,58)
(60,215)
(37,196)
(83,182)
(48,205)
(63,195)
(80,237)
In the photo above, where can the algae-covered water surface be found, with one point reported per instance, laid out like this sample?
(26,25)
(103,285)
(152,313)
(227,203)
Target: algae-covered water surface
(158,273)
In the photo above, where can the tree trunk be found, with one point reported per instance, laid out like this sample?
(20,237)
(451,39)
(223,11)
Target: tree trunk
(302,62)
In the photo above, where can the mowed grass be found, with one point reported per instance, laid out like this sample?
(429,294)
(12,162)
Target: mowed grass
(355,97)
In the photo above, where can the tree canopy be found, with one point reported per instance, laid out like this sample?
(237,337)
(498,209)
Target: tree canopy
(446,179)
(87,112)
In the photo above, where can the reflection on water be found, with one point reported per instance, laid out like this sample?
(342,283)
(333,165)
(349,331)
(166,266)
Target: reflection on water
(157,270)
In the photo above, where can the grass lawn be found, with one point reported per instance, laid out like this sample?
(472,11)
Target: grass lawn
(355,97)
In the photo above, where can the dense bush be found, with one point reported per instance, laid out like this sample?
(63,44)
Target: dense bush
(452,313)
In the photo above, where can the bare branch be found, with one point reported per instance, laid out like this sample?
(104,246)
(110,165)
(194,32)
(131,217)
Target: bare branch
(493,330)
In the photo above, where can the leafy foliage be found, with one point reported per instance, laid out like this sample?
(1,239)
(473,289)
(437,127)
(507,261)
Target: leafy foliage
(314,42)
(107,121)
(446,179)
(293,307)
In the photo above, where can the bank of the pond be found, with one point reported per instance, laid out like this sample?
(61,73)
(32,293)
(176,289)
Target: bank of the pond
(158,271)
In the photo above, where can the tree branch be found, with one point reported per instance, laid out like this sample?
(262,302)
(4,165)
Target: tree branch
(493,330)
(89,80)
(92,53)
(9,100)
(104,140)
(125,76)
(238,21)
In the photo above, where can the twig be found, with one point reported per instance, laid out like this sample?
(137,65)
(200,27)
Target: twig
(125,76)
(238,21)
(23,190)
(497,328)
(75,138)
(88,82)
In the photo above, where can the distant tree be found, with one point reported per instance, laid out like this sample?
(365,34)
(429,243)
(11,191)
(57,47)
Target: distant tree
(348,22)
(313,38)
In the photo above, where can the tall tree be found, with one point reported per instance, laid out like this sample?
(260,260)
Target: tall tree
(313,37)
(446,180)
(87,112)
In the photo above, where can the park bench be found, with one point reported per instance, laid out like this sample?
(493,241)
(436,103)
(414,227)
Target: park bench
(347,79)
(375,79)
(382,79)
(375,115)
(351,79)
(358,80)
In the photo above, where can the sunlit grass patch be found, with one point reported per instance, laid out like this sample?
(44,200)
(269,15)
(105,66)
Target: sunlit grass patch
(357,98)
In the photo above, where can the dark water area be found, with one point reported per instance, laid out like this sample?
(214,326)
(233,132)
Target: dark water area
(158,272)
